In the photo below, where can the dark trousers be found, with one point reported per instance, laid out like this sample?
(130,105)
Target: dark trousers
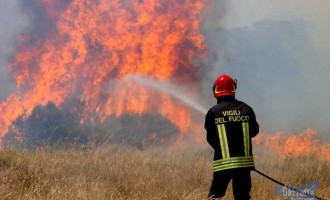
(241,181)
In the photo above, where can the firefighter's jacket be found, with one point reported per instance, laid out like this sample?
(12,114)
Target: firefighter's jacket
(230,125)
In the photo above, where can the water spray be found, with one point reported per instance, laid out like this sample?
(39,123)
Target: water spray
(168,88)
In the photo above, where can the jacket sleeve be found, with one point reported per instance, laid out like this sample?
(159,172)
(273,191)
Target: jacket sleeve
(254,126)
(211,135)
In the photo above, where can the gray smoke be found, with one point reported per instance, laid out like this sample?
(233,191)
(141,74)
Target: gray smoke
(278,51)
(12,23)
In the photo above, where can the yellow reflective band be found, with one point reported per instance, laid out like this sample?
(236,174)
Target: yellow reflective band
(226,141)
(233,159)
(223,141)
(235,162)
(246,136)
(233,166)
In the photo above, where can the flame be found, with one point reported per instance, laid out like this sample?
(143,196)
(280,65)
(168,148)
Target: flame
(88,49)
(91,46)
(288,145)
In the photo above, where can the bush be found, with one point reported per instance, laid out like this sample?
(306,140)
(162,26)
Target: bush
(60,127)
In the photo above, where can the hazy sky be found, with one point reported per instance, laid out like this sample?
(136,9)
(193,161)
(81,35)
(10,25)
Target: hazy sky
(315,12)
(246,13)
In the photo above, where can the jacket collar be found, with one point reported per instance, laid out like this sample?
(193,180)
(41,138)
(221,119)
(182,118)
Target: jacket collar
(225,98)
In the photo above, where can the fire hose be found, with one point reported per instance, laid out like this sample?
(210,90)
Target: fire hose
(284,185)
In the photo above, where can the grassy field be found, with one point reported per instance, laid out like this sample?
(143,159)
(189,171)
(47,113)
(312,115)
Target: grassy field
(120,172)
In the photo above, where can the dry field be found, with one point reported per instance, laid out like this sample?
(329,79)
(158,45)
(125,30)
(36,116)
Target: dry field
(121,172)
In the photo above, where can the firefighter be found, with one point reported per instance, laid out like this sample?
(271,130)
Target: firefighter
(230,125)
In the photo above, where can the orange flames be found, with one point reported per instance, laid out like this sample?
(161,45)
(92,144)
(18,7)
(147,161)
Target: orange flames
(288,145)
(94,45)
(91,46)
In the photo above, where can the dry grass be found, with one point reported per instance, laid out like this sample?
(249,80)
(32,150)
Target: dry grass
(119,172)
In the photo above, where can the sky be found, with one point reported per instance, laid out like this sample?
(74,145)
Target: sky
(277,49)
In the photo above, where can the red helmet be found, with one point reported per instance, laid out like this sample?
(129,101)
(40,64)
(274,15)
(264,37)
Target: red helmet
(224,85)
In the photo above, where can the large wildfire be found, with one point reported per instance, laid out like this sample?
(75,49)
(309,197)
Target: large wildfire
(90,46)
(87,49)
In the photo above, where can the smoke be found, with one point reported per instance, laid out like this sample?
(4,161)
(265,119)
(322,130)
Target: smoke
(278,52)
(12,23)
